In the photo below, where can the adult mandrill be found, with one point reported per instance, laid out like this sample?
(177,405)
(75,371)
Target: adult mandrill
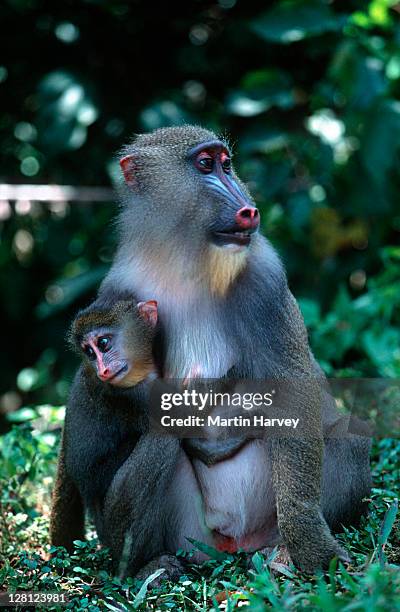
(188,238)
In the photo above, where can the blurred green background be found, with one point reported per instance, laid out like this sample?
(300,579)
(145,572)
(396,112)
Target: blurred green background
(308,92)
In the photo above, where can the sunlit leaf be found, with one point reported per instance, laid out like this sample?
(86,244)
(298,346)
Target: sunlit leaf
(291,21)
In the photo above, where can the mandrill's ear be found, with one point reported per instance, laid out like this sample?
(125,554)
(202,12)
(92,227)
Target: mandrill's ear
(129,167)
(148,311)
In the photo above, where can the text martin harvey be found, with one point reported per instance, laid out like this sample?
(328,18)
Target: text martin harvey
(218,421)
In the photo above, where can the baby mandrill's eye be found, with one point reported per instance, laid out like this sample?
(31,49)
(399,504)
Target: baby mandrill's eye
(104,344)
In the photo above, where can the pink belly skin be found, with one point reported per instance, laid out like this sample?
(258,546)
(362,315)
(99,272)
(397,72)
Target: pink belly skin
(239,503)
(229,506)
(249,543)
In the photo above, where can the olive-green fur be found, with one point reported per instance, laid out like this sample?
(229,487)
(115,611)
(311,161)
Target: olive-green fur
(138,334)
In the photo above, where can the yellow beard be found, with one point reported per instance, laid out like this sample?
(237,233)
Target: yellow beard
(222,268)
(137,374)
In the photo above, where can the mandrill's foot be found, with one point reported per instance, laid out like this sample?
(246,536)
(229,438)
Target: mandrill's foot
(317,554)
(282,557)
(173,567)
(309,541)
(280,560)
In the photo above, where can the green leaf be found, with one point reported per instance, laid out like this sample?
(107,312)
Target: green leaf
(258,562)
(143,589)
(117,597)
(22,415)
(260,90)
(386,528)
(289,21)
(210,551)
(244,106)
(382,347)
(65,111)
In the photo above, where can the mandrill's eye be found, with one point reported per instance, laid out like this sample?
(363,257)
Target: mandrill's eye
(104,344)
(205,164)
(89,352)
(226,165)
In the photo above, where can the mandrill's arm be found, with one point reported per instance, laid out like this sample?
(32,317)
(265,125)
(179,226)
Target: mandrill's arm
(297,460)
(67,519)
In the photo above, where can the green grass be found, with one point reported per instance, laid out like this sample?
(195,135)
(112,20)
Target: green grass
(27,469)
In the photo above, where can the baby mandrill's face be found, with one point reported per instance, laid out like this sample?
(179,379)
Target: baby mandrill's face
(105,353)
(121,354)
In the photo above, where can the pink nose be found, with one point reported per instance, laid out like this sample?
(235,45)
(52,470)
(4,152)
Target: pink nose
(105,374)
(247,217)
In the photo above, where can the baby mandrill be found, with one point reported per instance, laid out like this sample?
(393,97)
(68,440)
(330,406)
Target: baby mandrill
(105,414)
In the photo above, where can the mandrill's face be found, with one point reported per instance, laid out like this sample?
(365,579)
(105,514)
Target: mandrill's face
(187,213)
(188,192)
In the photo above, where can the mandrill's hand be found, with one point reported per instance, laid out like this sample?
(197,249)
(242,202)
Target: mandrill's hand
(317,547)
(172,566)
(211,451)
(301,524)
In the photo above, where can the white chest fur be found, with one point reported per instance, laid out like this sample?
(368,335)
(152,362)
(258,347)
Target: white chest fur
(197,345)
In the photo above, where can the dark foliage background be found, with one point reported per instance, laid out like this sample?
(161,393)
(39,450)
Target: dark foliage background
(309,92)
